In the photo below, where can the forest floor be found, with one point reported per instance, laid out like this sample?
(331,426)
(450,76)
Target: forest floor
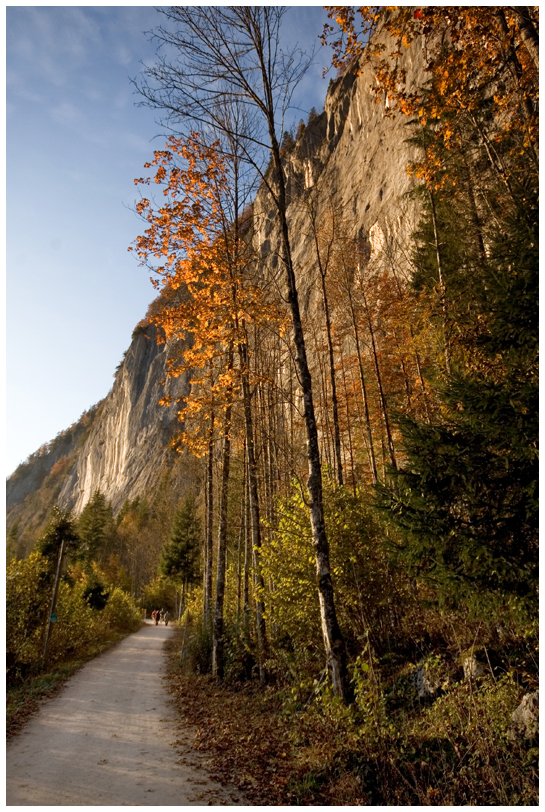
(281,746)
(252,744)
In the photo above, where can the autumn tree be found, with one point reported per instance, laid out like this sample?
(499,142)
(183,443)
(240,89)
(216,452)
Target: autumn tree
(207,262)
(481,64)
(232,53)
(469,470)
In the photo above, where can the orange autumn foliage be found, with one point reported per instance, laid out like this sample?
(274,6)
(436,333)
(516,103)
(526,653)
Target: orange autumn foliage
(474,55)
(202,266)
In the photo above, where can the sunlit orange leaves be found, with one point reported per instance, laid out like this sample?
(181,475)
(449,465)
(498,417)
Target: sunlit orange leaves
(473,55)
(205,268)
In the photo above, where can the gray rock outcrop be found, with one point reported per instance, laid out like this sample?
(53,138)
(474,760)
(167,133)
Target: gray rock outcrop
(526,717)
(126,448)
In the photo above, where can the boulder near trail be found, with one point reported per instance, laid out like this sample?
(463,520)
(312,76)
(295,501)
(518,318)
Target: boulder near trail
(110,738)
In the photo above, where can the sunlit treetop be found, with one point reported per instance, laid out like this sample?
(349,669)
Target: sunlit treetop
(471,53)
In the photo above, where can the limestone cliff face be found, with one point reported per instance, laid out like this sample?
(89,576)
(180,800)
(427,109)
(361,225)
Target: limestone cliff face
(351,158)
(31,475)
(127,447)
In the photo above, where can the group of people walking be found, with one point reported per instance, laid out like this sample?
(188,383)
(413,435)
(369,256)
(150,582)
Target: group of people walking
(160,614)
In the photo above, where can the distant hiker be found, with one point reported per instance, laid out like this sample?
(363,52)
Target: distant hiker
(162,614)
(155,616)
(166,616)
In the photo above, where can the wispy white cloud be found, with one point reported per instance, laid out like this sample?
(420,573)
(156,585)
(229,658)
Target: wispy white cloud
(50,43)
(67,113)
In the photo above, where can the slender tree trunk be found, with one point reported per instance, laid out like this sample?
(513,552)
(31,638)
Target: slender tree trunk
(243,510)
(254,511)
(401,294)
(371,451)
(406,379)
(322,409)
(334,402)
(209,525)
(348,428)
(422,383)
(382,396)
(218,663)
(442,288)
(247,566)
(473,211)
(334,644)
(53,603)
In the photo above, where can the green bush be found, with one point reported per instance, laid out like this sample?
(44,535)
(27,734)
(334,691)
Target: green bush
(29,588)
(75,625)
(359,569)
(27,602)
(121,612)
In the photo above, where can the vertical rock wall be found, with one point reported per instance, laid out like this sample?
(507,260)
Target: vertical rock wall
(353,159)
(125,452)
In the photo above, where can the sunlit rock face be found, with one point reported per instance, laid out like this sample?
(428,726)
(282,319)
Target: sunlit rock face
(351,159)
(120,447)
(127,448)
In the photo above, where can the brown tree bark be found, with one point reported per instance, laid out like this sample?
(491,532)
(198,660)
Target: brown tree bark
(254,509)
(323,268)
(209,542)
(370,449)
(218,658)
(334,644)
(382,396)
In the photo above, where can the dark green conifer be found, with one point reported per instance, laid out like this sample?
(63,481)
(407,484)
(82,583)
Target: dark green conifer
(96,529)
(60,527)
(180,555)
(466,498)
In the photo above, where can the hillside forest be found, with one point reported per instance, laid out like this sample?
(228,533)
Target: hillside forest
(349,521)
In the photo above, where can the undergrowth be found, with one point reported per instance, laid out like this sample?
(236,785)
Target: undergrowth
(295,743)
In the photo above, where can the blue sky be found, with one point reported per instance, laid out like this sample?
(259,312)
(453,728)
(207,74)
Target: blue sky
(75,142)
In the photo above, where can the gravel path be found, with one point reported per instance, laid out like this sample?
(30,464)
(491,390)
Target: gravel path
(110,739)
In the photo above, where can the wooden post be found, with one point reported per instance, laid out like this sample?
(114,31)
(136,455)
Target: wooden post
(53,603)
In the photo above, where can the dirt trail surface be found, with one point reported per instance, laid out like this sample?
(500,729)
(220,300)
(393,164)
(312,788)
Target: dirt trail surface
(109,739)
